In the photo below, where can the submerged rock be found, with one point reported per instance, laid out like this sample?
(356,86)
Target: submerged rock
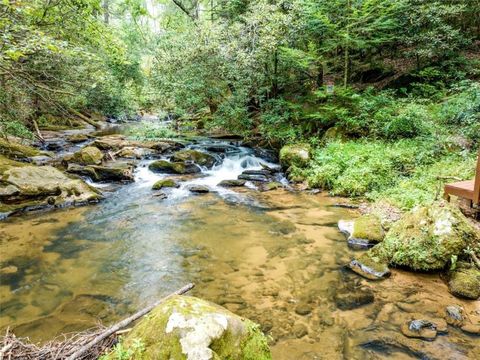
(427,238)
(298,155)
(165,183)
(454,315)
(350,297)
(232,183)
(187,328)
(422,329)
(465,281)
(363,232)
(197,157)
(27,186)
(167,167)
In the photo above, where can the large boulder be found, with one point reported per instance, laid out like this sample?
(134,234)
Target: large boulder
(198,157)
(89,155)
(27,186)
(187,328)
(427,238)
(297,155)
(167,167)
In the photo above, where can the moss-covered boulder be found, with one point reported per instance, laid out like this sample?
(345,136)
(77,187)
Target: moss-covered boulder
(427,238)
(363,232)
(167,167)
(298,155)
(334,133)
(187,328)
(165,183)
(198,157)
(89,155)
(17,151)
(465,281)
(32,187)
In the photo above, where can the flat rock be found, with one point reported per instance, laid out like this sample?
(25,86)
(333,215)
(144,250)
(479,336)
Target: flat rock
(232,183)
(198,189)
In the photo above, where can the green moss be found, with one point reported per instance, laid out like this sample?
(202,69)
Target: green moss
(426,238)
(15,150)
(296,154)
(273,185)
(165,183)
(89,155)
(368,227)
(241,340)
(465,281)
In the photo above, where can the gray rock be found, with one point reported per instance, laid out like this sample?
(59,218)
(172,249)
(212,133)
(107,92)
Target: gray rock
(198,189)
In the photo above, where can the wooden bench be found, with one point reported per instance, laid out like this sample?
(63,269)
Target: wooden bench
(469,190)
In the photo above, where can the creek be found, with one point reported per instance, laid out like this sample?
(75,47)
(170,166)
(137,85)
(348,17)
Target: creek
(275,257)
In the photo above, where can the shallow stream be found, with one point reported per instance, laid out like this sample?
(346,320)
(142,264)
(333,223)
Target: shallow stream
(275,257)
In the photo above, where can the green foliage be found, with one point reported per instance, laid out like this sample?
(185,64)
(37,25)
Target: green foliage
(150,131)
(120,352)
(405,172)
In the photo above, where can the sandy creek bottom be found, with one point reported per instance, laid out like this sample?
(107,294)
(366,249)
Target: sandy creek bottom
(260,255)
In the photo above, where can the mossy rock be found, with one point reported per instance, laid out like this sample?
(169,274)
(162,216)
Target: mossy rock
(167,167)
(427,238)
(465,281)
(189,328)
(368,227)
(198,157)
(372,265)
(14,150)
(298,155)
(232,183)
(89,155)
(334,134)
(165,183)
(27,186)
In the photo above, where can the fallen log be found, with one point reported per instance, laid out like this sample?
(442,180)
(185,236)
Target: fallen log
(124,323)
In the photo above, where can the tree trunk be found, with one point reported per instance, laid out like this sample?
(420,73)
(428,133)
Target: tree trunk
(106,11)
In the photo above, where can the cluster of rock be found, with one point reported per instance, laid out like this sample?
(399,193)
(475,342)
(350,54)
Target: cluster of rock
(431,238)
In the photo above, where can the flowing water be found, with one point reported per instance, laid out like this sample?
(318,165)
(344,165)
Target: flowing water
(275,257)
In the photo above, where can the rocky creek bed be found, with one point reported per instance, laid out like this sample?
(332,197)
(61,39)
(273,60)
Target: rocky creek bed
(222,216)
